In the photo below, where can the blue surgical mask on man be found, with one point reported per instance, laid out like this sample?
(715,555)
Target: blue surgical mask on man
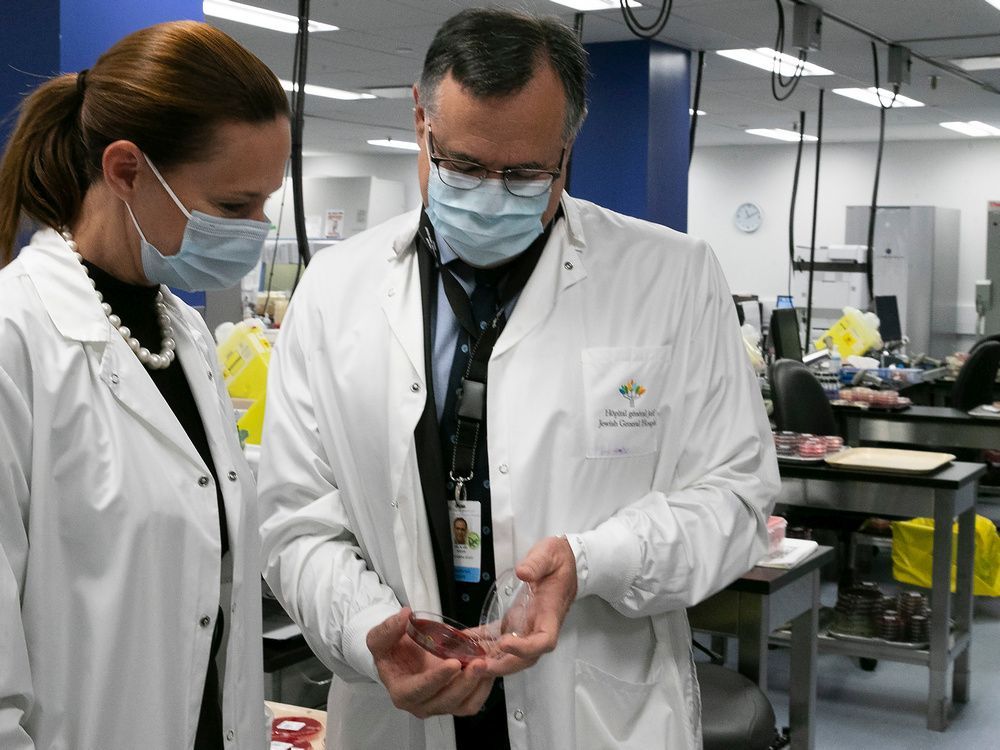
(487,225)
(215,252)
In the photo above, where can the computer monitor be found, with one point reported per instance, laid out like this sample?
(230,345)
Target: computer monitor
(784,333)
(887,311)
(784,301)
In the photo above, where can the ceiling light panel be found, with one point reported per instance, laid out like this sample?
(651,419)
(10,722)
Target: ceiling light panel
(262,17)
(393,143)
(973,128)
(878,97)
(763,58)
(987,62)
(595,4)
(327,92)
(780,134)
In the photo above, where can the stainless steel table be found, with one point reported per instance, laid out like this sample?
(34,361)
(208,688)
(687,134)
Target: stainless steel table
(918,426)
(753,607)
(943,495)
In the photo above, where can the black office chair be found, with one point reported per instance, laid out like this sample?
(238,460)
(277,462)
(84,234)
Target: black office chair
(735,712)
(800,404)
(985,340)
(974,384)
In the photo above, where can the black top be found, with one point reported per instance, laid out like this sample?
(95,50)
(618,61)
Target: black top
(136,306)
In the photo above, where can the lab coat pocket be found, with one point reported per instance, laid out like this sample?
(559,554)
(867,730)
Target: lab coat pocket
(611,712)
(624,389)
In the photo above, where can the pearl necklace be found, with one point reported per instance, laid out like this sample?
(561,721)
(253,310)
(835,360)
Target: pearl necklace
(153,361)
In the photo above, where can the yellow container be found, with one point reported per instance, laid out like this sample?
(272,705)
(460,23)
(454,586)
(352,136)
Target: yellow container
(852,334)
(913,554)
(244,357)
(251,424)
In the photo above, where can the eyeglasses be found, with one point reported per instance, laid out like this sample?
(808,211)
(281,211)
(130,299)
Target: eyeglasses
(467,175)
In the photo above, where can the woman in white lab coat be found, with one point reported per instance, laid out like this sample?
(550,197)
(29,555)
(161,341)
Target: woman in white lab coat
(129,584)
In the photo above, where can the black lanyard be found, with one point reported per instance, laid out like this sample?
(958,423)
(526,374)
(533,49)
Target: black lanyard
(471,402)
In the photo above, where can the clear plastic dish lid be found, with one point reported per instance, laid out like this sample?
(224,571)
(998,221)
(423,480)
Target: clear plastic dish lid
(506,611)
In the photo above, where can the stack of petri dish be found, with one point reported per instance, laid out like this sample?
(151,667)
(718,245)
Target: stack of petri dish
(857,610)
(786,443)
(890,626)
(812,446)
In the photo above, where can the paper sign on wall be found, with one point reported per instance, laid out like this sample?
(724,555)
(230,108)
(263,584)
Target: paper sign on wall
(334,224)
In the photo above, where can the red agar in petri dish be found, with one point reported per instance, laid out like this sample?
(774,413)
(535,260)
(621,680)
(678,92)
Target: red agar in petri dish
(443,640)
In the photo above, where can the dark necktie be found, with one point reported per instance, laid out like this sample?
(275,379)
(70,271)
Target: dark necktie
(485,301)
(488,729)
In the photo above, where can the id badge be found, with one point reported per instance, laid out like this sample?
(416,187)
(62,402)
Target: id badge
(466,540)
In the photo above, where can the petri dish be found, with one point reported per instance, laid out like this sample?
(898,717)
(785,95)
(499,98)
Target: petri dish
(444,637)
(506,611)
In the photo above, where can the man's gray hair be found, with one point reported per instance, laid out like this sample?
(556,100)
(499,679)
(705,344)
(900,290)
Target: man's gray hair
(495,52)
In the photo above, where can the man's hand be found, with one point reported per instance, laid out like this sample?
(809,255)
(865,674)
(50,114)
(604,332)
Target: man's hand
(418,681)
(550,568)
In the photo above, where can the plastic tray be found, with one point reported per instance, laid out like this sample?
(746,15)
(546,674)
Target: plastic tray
(874,639)
(890,459)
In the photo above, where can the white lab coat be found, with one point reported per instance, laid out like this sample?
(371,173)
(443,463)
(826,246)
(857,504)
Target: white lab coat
(666,504)
(109,543)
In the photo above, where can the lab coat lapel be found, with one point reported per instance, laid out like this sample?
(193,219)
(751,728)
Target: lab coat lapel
(401,304)
(127,379)
(65,290)
(559,267)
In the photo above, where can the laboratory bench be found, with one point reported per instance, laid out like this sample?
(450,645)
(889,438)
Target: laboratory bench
(943,495)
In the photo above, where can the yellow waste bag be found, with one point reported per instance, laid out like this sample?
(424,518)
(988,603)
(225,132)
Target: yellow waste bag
(854,333)
(913,552)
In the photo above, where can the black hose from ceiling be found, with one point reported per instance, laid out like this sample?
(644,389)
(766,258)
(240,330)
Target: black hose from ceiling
(795,194)
(694,106)
(812,240)
(298,124)
(650,30)
(873,208)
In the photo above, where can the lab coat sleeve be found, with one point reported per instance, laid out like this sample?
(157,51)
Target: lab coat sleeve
(311,556)
(706,523)
(16,694)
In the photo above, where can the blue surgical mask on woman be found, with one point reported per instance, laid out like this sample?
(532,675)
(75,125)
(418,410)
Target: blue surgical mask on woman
(215,252)
(485,226)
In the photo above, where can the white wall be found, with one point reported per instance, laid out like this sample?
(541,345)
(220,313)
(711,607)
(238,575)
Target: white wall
(398,168)
(951,174)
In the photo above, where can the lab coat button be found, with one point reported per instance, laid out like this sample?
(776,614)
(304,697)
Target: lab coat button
(568,266)
(211,375)
(503,468)
(203,481)
(205,621)
(519,715)
(391,292)
(394,503)
(415,387)
(232,476)
(114,378)
(230,735)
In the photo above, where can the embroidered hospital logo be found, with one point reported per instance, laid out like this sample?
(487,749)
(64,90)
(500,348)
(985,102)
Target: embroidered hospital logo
(631,391)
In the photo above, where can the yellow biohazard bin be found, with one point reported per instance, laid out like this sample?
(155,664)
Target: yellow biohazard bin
(913,553)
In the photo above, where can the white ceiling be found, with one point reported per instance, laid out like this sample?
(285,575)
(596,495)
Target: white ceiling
(383,42)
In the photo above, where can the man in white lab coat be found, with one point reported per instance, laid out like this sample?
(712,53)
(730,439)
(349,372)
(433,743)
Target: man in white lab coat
(629,470)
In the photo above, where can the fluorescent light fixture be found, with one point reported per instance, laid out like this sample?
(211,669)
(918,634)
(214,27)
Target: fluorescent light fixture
(973,128)
(986,62)
(392,92)
(780,134)
(994,3)
(392,143)
(763,58)
(700,112)
(262,17)
(595,4)
(327,92)
(878,97)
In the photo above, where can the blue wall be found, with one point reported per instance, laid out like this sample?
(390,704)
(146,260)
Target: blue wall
(632,153)
(43,38)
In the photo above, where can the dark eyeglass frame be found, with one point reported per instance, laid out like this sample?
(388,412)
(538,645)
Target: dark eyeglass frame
(474,171)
